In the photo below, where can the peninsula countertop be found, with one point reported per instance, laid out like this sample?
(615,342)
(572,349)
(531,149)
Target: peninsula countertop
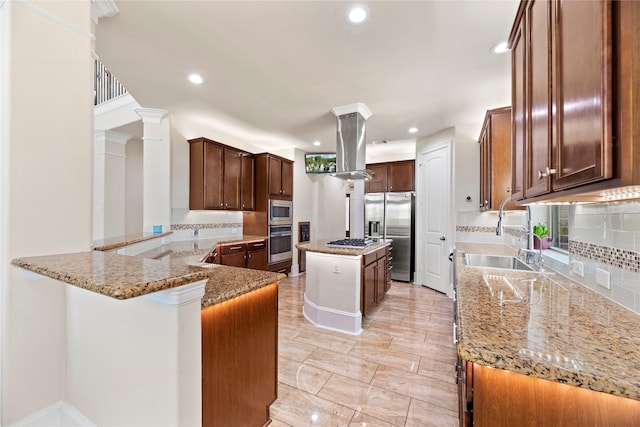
(169,266)
(557,330)
(321,247)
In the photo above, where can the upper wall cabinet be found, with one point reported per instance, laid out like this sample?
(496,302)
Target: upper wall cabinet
(219,177)
(566,58)
(391,177)
(495,159)
(276,174)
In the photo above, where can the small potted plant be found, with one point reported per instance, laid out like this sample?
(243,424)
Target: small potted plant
(542,232)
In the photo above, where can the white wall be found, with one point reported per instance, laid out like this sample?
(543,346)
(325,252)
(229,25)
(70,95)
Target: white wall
(46,144)
(133,187)
(467,172)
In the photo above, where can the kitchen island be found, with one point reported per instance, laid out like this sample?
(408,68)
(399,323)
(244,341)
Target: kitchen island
(161,339)
(343,284)
(540,349)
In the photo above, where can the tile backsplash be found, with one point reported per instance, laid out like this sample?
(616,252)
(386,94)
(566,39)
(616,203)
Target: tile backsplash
(602,236)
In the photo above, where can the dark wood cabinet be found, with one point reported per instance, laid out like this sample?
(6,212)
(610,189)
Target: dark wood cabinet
(252,254)
(464,380)
(247,193)
(378,181)
(375,279)
(279,177)
(495,159)
(583,132)
(234,255)
(391,177)
(257,255)
(562,95)
(240,359)
(518,108)
(217,178)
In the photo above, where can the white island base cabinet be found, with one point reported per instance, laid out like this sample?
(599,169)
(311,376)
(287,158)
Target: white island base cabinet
(332,295)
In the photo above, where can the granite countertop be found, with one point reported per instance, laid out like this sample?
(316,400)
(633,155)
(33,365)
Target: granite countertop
(121,241)
(321,247)
(548,326)
(169,266)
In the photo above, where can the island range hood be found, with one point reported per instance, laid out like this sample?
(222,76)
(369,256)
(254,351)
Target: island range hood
(351,141)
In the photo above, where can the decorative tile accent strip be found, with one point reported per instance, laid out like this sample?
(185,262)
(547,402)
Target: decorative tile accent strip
(204,226)
(475,229)
(480,229)
(621,258)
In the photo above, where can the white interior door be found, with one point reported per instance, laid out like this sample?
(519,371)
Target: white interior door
(434,213)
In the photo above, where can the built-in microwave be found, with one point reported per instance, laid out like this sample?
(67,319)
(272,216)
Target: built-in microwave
(280,212)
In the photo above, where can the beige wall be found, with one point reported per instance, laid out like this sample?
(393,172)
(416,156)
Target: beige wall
(46,144)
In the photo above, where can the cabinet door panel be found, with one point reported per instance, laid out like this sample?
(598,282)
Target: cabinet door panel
(275,177)
(518,128)
(583,140)
(369,288)
(287,178)
(378,183)
(401,176)
(213,176)
(257,260)
(248,186)
(232,179)
(234,259)
(538,142)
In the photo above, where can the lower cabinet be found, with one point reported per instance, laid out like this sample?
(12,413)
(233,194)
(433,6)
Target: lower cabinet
(376,279)
(245,255)
(240,359)
(495,397)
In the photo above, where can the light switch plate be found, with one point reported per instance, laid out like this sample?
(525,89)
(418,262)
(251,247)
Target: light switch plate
(603,278)
(578,268)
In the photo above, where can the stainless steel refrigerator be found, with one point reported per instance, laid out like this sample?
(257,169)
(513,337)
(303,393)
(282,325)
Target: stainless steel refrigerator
(392,216)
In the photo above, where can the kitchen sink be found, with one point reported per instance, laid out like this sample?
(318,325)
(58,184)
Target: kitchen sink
(495,261)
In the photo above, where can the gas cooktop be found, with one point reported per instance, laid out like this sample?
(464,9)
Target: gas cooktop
(350,243)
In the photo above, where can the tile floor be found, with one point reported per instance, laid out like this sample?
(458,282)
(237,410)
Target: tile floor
(398,372)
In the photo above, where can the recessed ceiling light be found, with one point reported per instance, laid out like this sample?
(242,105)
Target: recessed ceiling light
(413,130)
(357,14)
(499,48)
(196,79)
(316,143)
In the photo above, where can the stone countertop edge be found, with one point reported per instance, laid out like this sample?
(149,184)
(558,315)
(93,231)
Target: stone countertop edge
(124,277)
(122,241)
(599,362)
(320,246)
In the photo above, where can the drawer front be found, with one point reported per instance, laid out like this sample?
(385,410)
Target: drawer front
(251,246)
(233,248)
(381,253)
(370,257)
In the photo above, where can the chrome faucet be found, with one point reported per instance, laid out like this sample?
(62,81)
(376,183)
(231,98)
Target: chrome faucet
(500,227)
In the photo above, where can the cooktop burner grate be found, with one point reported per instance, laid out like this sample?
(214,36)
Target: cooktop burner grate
(350,243)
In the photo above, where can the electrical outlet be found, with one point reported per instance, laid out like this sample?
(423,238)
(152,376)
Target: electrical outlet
(336,268)
(603,278)
(578,268)
(234,231)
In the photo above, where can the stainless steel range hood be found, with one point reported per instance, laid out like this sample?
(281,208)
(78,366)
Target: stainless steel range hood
(351,141)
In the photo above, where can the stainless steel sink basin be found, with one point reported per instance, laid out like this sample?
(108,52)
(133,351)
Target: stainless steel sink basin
(495,261)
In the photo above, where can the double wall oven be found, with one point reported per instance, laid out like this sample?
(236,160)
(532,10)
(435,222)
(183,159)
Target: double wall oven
(280,230)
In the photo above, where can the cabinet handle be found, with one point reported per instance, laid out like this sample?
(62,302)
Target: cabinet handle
(235,248)
(258,245)
(547,172)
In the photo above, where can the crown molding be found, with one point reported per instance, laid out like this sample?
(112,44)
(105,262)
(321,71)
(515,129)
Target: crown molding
(151,115)
(103,9)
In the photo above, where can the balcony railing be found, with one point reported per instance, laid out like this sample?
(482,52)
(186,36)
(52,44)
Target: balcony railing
(106,86)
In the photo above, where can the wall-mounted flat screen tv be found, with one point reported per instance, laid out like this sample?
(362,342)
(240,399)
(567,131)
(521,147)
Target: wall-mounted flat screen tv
(320,162)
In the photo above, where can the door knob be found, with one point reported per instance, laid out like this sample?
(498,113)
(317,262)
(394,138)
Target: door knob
(443,238)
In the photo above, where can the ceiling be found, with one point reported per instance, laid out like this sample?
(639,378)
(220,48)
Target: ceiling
(274,69)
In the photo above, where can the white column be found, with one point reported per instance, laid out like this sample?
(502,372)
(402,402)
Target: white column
(156,168)
(109,183)
(45,187)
